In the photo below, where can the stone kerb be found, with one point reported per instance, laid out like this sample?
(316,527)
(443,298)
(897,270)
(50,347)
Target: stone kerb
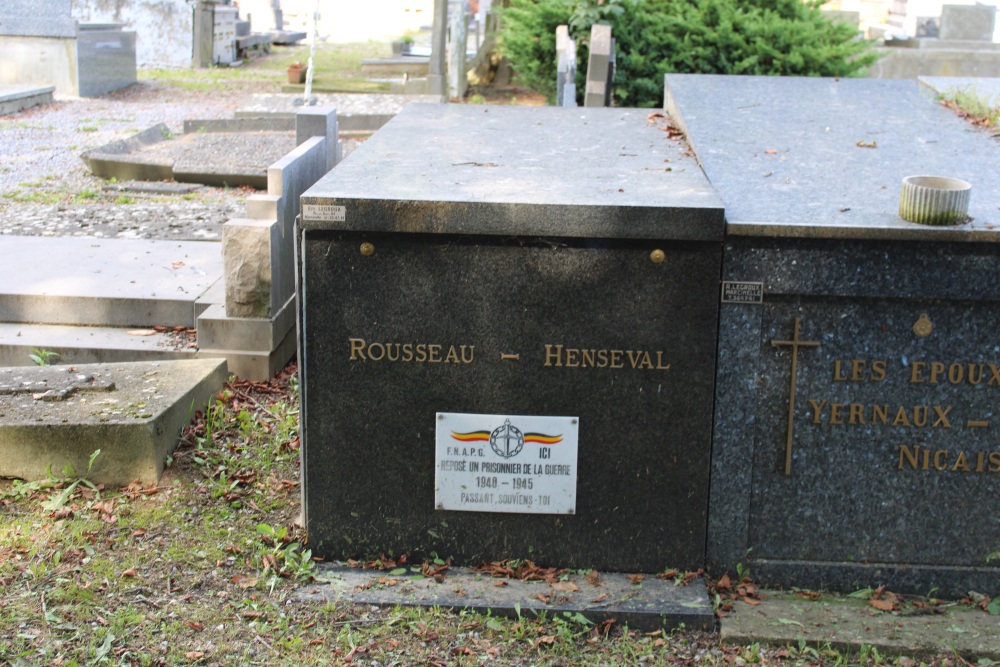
(254,327)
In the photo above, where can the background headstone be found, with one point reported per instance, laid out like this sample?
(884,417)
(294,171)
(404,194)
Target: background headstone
(565,68)
(968,22)
(600,67)
(458,65)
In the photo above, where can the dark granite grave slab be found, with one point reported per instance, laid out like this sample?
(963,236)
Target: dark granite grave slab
(510,229)
(887,470)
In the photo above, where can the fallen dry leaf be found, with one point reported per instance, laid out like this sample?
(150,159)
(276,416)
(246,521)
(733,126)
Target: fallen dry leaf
(194,655)
(636,579)
(565,586)
(723,584)
(881,605)
(141,332)
(195,625)
(128,573)
(771,151)
(600,598)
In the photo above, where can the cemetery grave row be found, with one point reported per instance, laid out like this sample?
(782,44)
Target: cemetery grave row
(561,334)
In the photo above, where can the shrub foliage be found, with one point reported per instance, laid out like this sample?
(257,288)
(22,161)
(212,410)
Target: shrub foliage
(655,37)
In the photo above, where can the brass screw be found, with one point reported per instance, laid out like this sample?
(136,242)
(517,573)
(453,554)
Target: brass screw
(657,256)
(367,249)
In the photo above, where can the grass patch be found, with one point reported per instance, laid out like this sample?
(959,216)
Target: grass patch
(203,568)
(337,66)
(36,196)
(973,107)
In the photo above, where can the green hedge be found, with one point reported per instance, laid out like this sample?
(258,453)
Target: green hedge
(654,37)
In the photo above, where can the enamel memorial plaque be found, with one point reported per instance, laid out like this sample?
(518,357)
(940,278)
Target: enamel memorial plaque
(495,463)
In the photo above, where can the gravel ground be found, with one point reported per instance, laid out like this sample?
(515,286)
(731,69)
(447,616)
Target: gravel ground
(45,188)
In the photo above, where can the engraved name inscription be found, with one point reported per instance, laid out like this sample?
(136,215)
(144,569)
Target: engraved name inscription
(418,353)
(922,416)
(553,355)
(917,417)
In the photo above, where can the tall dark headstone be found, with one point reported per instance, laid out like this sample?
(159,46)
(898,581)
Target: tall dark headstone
(501,307)
(858,387)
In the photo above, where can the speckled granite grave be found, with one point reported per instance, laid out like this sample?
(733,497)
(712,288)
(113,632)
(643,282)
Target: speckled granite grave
(880,333)
(539,262)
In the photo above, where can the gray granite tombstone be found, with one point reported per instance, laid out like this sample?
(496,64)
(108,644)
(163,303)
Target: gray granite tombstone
(972,22)
(859,365)
(539,262)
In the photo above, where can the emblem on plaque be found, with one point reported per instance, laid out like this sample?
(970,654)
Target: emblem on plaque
(507,440)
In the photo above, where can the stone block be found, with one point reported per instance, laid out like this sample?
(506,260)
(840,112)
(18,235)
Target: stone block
(132,412)
(251,255)
(503,270)
(105,60)
(318,122)
(265,207)
(219,331)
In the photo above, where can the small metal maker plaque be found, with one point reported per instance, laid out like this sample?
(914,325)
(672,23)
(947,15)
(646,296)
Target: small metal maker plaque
(742,291)
(506,463)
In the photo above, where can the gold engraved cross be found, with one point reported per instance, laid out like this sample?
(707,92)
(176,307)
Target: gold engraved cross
(795,344)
